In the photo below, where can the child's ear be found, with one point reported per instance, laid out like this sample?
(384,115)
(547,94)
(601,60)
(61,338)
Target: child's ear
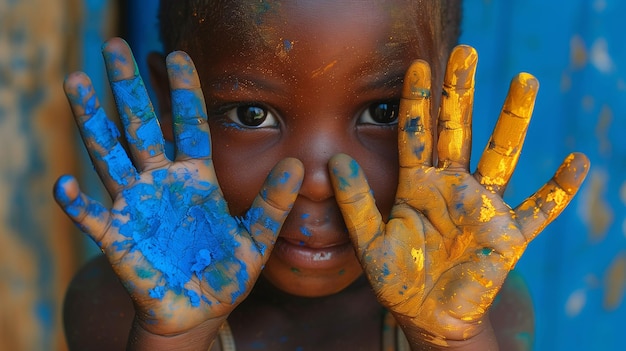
(161,86)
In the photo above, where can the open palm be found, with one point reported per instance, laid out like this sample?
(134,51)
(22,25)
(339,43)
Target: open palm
(169,235)
(450,241)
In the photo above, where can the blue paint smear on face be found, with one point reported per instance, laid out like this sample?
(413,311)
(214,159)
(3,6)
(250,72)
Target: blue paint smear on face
(287,45)
(182,241)
(188,107)
(305,231)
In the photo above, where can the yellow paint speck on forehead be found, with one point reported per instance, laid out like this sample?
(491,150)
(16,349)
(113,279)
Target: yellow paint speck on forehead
(487,210)
(615,283)
(318,72)
(418,257)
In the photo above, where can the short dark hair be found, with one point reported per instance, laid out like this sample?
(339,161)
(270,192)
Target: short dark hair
(180,20)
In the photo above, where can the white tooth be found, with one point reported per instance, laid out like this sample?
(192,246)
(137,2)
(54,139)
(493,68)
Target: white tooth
(322,256)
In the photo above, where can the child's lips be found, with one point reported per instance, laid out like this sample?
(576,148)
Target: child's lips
(304,256)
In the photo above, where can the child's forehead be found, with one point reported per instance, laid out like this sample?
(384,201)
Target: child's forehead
(269,21)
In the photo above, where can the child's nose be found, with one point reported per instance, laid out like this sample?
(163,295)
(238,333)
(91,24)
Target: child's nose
(314,149)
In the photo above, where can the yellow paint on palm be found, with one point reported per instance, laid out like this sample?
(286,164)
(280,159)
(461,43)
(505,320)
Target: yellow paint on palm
(487,210)
(502,152)
(459,245)
(481,279)
(418,257)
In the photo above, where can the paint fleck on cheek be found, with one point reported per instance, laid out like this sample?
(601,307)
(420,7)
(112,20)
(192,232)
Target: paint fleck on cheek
(283,48)
(305,231)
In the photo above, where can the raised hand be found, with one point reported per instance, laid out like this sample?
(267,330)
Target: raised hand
(169,235)
(450,240)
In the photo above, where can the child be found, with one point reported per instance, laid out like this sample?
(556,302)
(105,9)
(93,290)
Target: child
(313,238)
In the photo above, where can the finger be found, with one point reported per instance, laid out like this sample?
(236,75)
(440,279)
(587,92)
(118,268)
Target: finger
(502,152)
(143,133)
(274,202)
(455,118)
(415,141)
(540,209)
(355,200)
(99,134)
(191,130)
(89,215)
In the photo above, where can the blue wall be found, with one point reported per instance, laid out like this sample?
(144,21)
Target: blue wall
(576,269)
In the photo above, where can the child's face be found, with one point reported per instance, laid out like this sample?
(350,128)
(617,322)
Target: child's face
(314,81)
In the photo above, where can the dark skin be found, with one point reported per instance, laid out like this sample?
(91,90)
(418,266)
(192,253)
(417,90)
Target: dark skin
(313,90)
(98,315)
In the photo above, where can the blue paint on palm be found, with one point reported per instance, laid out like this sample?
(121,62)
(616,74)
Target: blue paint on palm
(181,236)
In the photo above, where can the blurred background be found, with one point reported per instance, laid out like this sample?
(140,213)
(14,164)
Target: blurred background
(576,269)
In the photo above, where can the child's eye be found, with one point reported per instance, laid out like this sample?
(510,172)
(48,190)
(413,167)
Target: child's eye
(252,116)
(381,113)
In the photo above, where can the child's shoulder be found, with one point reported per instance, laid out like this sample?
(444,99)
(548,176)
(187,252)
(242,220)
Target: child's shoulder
(512,314)
(97,311)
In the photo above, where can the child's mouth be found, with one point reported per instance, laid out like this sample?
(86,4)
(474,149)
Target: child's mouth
(303,256)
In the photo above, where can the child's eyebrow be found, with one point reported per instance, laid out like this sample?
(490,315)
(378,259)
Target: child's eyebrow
(382,81)
(236,82)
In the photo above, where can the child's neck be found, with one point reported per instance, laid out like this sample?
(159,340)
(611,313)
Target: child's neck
(282,321)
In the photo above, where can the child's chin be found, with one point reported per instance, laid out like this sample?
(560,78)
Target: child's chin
(310,282)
